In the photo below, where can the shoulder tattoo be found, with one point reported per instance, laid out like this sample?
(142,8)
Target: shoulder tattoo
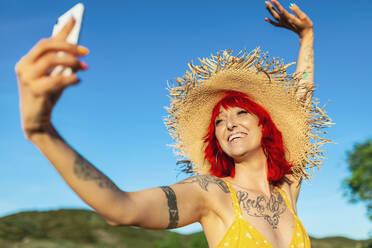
(205,180)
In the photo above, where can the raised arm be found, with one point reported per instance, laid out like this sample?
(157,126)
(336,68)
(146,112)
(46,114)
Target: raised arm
(161,207)
(305,64)
(301,24)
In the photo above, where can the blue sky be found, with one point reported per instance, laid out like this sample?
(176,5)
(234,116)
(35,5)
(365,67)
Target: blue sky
(114,116)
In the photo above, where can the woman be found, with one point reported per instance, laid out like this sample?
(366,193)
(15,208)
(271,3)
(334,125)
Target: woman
(247,153)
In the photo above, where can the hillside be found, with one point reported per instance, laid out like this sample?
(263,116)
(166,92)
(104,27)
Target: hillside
(86,229)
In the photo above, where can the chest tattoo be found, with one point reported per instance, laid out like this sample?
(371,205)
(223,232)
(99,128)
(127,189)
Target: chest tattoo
(268,209)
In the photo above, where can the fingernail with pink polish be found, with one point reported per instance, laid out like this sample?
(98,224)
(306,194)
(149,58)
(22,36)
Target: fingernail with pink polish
(83,65)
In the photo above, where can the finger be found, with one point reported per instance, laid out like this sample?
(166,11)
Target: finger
(272,11)
(302,19)
(281,10)
(273,23)
(65,31)
(47,45)
(298,11)
(48,85)
(50,60)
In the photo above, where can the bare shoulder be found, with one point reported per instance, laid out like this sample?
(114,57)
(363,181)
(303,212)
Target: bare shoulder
(214,192)
(217,198)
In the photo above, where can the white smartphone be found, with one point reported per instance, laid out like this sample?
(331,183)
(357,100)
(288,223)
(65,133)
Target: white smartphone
(77,12)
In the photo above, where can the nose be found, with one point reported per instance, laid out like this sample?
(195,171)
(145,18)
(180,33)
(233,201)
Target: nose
(230,123)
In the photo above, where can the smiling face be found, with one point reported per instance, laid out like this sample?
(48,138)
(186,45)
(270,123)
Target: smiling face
(238,132)
(240,129)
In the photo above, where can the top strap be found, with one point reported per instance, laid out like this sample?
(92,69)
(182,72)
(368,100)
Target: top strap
(286,200)
(237,210)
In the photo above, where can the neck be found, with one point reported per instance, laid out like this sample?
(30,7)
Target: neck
(251,172)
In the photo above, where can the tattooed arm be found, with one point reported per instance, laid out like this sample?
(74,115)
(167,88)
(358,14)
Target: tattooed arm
(305,63)
(91,185)
(163,207)
(176,205)
(301,24)
(156,208)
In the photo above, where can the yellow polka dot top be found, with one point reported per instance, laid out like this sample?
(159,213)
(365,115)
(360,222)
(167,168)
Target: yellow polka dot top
(242,234)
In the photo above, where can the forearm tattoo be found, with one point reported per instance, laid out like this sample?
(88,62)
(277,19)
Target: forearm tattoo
(205,180)
(308,60)
(260,207)
(86,171)
(306,65)
(172,206)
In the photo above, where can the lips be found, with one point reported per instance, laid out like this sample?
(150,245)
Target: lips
(235,135)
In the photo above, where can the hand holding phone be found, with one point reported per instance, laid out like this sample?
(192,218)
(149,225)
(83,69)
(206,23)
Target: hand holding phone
(38,91)
(77,13)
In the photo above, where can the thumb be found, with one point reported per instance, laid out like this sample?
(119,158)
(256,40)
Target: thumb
(65,31)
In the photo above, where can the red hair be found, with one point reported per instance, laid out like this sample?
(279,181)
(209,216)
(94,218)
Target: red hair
(272,143)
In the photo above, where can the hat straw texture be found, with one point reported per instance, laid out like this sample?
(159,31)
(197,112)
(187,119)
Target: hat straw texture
(266,81)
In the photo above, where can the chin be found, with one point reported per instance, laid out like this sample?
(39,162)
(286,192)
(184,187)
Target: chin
(239,153)
(239,157)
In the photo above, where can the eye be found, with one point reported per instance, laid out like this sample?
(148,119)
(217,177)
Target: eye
(216,122)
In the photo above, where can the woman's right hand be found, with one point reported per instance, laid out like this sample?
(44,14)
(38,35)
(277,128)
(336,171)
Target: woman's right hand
(39,92)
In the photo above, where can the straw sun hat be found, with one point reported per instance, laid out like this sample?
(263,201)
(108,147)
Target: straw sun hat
(267,83)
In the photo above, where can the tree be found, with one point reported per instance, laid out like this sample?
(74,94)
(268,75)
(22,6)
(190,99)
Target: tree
(358,187)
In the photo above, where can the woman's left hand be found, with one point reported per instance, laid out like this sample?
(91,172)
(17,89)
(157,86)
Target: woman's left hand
(300,24)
